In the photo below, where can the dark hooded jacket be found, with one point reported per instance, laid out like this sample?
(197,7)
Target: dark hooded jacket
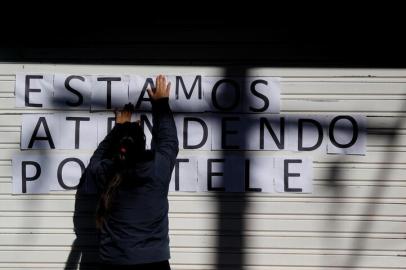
(136,230)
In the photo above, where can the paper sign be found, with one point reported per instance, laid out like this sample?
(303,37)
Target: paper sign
(293,175)
(261,95)
(109,92)
(72,91)
(31,174)
(210,174)
(40,131)
(78,131)
(39,174)
(242,119)
(194,132)
(347,135)
(221,174)
(187,94)
(266,132)
(138,94)
(229,132)
(223,94)
(306,133)
(261,174)
(67,170)
(34,91)
(184,175)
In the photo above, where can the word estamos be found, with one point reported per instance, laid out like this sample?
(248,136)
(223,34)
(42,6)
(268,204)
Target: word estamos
(195,93)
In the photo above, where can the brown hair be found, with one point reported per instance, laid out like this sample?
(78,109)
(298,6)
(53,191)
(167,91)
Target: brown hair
(129,150)
(106,198)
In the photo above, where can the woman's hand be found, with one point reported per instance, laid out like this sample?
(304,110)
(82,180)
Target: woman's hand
(124,115)
(161,89)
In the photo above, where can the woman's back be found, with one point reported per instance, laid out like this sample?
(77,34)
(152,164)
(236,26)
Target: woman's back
(137,228)
(133,186)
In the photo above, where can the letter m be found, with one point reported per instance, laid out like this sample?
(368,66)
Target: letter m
(180,82)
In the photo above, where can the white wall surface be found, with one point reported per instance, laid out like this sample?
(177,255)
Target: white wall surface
(355,218)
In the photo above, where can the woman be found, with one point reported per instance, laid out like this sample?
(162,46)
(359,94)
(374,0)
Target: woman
(132,215)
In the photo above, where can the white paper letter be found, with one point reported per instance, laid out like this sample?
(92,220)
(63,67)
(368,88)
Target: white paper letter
(34,90)
(347,135)
(293,175)
(40,131)
(72,91)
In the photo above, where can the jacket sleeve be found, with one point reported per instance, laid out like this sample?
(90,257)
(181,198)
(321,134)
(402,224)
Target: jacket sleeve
(100,162)
(164,138)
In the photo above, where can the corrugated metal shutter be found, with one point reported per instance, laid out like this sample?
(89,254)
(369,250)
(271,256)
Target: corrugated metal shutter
(355,218)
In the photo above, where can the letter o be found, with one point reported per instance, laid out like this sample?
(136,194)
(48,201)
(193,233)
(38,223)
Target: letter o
(354,135)
(236,88)
(60,168)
